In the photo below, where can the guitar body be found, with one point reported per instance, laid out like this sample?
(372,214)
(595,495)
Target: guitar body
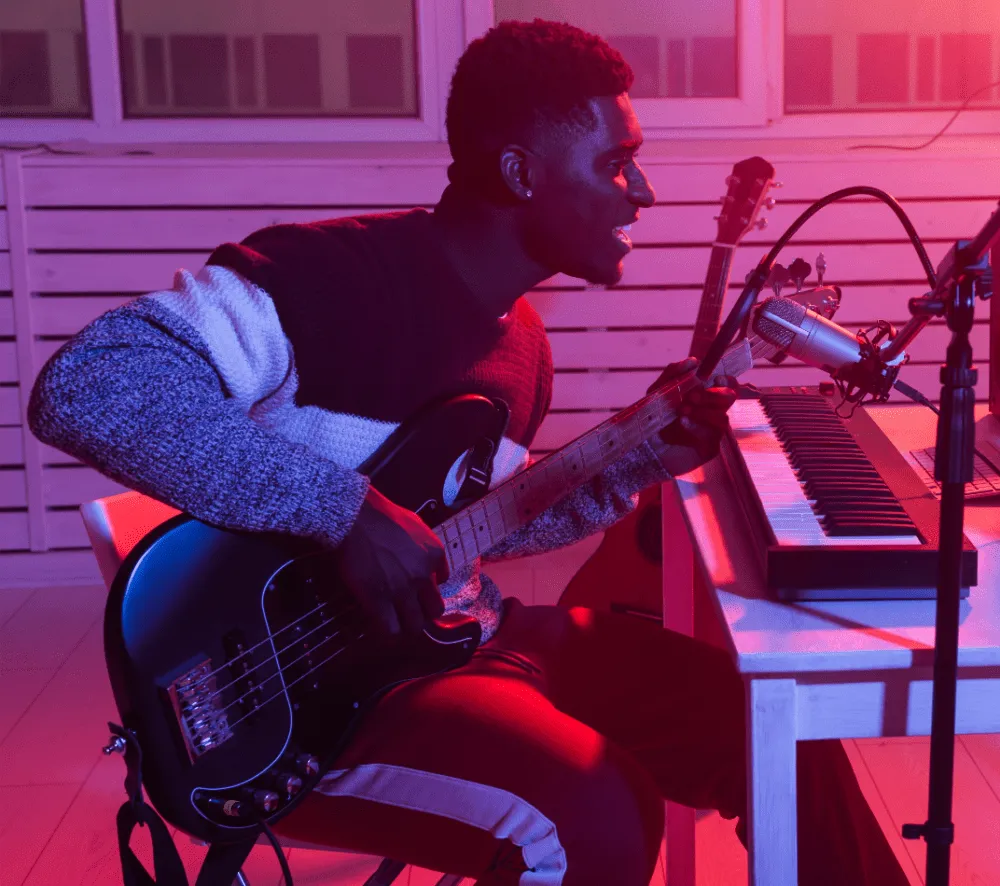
(243,665)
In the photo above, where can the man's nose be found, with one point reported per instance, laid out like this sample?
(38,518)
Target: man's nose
(641,193)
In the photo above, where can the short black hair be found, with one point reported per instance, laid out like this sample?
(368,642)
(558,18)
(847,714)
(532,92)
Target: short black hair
(524,79)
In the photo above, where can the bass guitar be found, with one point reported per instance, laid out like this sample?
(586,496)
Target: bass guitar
(242,665)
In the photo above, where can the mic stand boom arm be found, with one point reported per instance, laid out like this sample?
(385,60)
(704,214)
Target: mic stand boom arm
(954,297)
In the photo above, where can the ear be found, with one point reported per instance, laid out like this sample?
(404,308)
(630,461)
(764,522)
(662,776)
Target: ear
(519,170)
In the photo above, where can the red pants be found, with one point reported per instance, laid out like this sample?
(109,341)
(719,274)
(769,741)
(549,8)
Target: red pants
(547,758)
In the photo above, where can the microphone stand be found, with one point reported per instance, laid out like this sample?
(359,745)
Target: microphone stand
(954,298)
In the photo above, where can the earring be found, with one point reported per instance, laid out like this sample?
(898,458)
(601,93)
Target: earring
(527,194)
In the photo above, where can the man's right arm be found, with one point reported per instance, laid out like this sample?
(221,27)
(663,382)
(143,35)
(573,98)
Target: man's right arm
(162,406)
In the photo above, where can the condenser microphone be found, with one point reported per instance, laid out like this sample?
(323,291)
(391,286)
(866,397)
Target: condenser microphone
(814,340)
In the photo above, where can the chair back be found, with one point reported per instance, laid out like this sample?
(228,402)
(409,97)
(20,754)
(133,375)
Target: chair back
(116,524)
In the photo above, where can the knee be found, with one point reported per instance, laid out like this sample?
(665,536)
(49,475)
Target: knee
(613,826)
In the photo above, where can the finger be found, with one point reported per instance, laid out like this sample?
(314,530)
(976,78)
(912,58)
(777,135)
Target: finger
(382,615)
(673,370)
(411,616)
(429,598)
(440,570)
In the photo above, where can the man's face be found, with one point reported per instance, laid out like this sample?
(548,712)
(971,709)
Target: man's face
(587,188)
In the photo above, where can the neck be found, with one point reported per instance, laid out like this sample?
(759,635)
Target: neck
(481,242)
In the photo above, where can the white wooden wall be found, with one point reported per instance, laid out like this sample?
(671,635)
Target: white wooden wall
(80,235)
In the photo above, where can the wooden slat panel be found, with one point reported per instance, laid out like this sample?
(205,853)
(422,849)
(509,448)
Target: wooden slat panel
(623,307)
(129,272)
(53,456)
(615,390)
(13,492)
(858,221)
(232,183)
(651,348)
(5,277)
(140,229)
(200,229)
(143,272)
(362,181)
(13,531)
(11,446)
(64,529)
(67,315)
(10,406)
(75,485)
(8,362)
(6,315)
(4,235)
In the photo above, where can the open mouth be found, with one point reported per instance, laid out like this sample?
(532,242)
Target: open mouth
(621,234)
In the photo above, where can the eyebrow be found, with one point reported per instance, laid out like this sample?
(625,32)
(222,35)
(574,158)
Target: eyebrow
(630,144)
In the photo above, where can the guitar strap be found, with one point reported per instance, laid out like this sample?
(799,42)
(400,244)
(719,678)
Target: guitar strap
(221,864)
(479,462)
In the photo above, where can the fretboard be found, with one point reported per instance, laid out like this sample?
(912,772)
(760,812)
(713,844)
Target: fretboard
(712,298)
(517,501)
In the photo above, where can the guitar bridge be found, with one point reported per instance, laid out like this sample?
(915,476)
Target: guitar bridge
(200,711)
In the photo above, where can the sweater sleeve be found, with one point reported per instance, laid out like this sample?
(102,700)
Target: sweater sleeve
(592,507)
(158,395)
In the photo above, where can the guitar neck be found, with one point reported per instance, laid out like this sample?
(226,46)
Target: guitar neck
(517,501)
(712,297)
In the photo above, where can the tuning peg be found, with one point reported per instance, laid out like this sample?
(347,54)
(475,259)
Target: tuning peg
(778,185)
(777,278)
(798,270)
(760,224)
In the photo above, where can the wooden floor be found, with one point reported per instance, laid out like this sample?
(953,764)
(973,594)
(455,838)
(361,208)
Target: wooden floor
(59,794)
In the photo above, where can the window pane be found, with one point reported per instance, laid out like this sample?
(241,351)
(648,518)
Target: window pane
(877,55)
(259,58)
(677,48)
(43,60)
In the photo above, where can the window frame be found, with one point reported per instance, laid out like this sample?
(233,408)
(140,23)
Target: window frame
(444,29)
(438,46)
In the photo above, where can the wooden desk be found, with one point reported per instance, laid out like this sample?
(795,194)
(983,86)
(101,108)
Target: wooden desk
(820,670)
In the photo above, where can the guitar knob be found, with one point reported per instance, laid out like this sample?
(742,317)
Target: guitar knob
(306,764)
(286,783)
(770,203)
(761,224)
(263,800)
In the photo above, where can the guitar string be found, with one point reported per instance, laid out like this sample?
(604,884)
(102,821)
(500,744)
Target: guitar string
(280,673)
(253,648)
(220,689)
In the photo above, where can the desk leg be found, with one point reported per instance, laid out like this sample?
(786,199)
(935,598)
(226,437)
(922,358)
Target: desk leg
(771,803)
(678,615)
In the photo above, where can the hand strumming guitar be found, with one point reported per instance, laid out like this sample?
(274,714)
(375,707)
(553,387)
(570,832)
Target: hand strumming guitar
(693,439)
(392,562)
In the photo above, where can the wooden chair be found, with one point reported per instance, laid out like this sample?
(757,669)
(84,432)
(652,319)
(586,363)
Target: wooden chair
(115,525)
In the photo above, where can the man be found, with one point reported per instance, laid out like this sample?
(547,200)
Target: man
(249,394)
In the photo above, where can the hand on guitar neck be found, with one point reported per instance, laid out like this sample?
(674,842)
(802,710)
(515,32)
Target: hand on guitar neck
(693,438)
